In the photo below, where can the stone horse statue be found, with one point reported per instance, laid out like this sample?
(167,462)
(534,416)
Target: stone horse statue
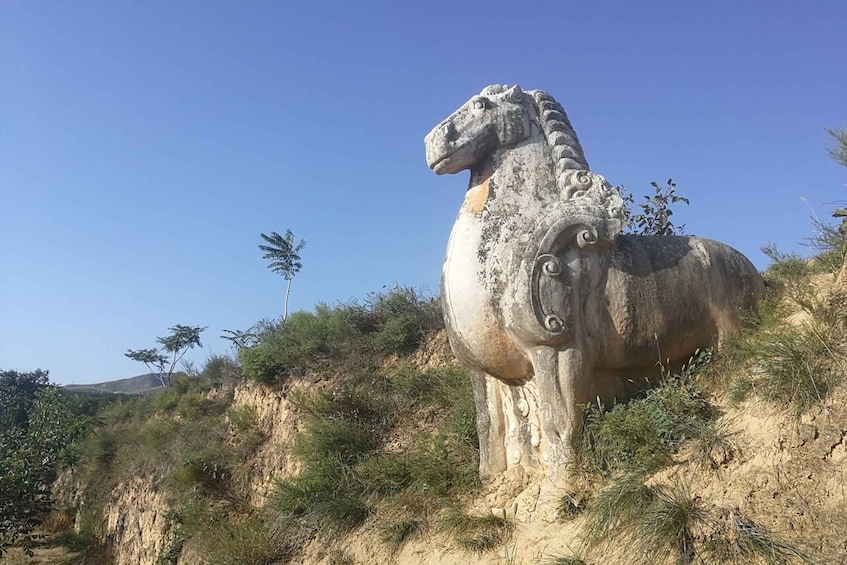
(545,302)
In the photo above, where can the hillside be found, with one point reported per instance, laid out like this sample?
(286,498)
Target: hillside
(347,436)
(132,385)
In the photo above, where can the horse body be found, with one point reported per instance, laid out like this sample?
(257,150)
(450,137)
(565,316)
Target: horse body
(666,296)
(544,300)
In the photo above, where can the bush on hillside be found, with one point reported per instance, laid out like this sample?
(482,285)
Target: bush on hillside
(795,362)
(346,335)
(645,432)
(38,425)
(660,523)
(346,471)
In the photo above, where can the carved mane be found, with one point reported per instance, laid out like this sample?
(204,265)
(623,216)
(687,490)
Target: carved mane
(561,137)
(566,150)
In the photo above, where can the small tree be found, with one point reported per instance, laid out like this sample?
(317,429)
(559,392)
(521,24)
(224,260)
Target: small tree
(830,240)
(655,215)
(38,423)
(839,152)
(284,259)
(243,339)
(163,361)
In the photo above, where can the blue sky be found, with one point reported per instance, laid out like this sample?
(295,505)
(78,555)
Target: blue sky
(145,145)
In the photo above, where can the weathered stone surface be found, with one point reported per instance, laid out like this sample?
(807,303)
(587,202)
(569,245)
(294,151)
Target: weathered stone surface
(546,303)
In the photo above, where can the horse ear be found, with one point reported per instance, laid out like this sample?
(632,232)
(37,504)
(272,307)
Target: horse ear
(493,90)
(515,94)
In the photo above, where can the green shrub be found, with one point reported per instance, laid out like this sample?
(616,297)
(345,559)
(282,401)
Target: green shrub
(341,514)
(207,469)
(442,386)
(831,244)
(295,496)
(413,386)
(792,365)
(367,401)
(220,369)
(714,445)
(654,217)
(165,400)
(646,431)
(342,337)
(755,542)
(85,549)
(193,405)
(258,363)
(307,341)
(338,439)
(402,317)
(669,526)
(439,467)
(105,447)
(462,424)
(789,274)
(653,522)
(344,472)
(385,474)
(243,420)
(617,508)
(321,496)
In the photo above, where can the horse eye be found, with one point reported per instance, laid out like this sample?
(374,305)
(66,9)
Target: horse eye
(479,104)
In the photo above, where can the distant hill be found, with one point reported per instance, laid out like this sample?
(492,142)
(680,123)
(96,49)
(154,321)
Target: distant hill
(132,385)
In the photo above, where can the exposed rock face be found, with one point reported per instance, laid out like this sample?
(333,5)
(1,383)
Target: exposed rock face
(135,522)
(546,303)
(136,528)
(276,420)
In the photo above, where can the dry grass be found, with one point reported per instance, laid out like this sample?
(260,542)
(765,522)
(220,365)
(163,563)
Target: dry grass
(477,534)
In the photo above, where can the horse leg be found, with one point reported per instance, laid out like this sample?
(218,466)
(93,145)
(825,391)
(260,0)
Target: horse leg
(562,379)
(490,423)
(576,365)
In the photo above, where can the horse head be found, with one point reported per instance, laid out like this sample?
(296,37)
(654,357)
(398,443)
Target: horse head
(502,117)
(496,117)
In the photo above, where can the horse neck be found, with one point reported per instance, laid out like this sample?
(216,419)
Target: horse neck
(518,174)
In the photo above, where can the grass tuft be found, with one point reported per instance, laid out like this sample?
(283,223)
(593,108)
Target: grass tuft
(667,522)
(248,540)
(756,541)
(802,365)
(397,533)
(715,445)
(571,558)
(477,534)
(618,507)
(571,505)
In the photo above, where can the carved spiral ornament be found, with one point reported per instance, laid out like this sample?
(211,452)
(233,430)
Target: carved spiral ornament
(576,185)
(586,238)
(583,180)
(554,324)
(551,265)
(550,295)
